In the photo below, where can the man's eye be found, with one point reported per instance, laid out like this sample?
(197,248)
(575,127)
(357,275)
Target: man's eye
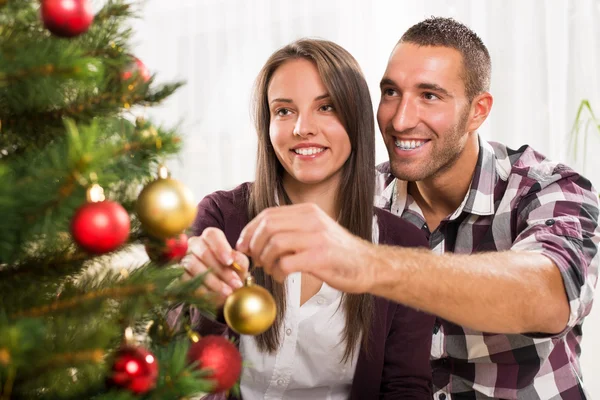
(430,96)
(389,92)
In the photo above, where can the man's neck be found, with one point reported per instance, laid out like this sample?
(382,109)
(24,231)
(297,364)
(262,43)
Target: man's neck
(440,195)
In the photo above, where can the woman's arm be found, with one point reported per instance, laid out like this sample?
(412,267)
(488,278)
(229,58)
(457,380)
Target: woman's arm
(406,369)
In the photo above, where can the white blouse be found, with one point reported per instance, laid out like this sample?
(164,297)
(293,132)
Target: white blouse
(308,362)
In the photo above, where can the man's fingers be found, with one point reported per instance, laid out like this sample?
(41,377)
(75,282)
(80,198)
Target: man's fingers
(290,263)
(298,217)
(286,243)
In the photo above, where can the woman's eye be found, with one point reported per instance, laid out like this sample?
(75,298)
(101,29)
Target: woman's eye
(282,112)
(326,108)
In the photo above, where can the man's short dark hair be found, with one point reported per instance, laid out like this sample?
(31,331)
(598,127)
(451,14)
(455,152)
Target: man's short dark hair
(447,32)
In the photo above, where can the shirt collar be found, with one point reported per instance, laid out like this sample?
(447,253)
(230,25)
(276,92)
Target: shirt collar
(479,199)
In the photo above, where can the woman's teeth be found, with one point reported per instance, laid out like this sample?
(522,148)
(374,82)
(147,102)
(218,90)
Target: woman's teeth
(309,151)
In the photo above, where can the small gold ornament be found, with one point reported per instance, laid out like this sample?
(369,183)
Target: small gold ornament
(160,332)
(165,206)
(4,357)
(250,310)
(194,337)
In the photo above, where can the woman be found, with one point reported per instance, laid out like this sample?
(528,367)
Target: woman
(314,120)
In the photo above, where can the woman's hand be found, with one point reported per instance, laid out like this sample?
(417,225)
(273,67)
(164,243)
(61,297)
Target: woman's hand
(211,252)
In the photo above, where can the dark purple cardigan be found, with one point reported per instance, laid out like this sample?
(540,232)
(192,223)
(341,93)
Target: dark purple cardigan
(397,364)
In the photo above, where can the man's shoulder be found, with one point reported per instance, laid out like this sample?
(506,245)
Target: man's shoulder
(531,168)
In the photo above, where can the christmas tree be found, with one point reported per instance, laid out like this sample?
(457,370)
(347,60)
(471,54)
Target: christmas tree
(75,151)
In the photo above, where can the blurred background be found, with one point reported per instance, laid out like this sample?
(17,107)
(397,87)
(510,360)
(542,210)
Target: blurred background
(545,57)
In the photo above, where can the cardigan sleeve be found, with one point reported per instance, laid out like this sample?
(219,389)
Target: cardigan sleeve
(406,369)
(208,215)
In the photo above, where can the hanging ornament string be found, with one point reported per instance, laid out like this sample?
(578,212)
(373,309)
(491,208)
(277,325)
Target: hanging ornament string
(251,309)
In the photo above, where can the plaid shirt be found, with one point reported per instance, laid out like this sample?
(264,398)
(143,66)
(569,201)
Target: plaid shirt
(518,200)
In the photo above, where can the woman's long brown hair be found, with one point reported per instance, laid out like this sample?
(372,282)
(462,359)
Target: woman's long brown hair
(348,90)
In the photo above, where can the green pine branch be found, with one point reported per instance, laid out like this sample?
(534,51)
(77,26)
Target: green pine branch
(43,343)
(66,113)
(44,188)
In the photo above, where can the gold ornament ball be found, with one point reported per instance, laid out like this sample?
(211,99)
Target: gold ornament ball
(165,208)
(250,310)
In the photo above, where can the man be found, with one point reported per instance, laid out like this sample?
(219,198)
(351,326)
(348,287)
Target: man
(514,236)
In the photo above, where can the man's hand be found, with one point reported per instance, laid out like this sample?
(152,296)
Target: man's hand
(303,238)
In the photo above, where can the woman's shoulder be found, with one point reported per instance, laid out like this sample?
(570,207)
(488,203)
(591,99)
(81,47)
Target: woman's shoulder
(393,230)
(227,202)
(235,197)
(224,209)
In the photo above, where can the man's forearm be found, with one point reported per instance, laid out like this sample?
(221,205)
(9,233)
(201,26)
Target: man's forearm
(501,292)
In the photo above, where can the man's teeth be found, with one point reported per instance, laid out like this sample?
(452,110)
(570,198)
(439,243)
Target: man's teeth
(309,151)
(409,144)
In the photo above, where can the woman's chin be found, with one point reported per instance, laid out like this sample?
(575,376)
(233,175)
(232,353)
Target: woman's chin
(309,179)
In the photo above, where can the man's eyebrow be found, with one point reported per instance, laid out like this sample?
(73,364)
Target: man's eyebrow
(424,86)
(434,87)
(386,81)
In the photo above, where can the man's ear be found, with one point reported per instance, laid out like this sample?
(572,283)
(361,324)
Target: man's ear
(480,109)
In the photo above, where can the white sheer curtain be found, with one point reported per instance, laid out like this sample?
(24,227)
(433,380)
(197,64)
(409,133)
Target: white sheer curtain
(545,55)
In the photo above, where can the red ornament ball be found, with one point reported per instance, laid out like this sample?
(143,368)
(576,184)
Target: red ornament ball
(100,227)
(134,369)
(167,251)
(218,354)
(138,68)
(67,18)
